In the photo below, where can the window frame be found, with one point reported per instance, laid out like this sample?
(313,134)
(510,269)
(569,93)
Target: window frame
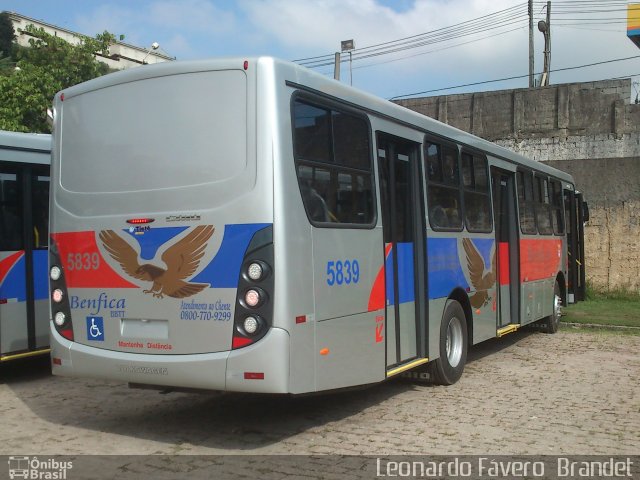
(526,202)
(557,208)
(540,205)
(487,192)
(442,143)
(19,207)
(333,166)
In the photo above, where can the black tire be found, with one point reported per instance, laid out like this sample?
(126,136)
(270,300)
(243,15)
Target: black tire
(552,322)
(448,369)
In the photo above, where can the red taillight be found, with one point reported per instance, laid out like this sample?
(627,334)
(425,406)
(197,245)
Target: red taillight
(62,97)
(246,64)
(239,342)
(301,319)
(254,375)
(67,333)
(140,221)
(3,301)
(56,361)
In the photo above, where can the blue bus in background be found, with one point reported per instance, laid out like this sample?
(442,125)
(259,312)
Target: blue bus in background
(24,232)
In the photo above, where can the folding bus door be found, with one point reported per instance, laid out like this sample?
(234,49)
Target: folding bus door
(403,230)
(506,222)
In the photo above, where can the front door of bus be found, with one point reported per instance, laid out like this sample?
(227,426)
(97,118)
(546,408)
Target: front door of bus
(504,207)
(401,200)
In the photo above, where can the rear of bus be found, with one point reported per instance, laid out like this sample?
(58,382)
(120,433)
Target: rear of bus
(161,258)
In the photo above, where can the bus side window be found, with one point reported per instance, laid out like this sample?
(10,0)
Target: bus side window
(10,218)
(477,203)
(333,165)
(542,205)
(443,191)
(557,207)
(525,203)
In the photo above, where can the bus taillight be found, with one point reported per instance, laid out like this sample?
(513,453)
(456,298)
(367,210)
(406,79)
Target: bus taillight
(254,305)
(60,308)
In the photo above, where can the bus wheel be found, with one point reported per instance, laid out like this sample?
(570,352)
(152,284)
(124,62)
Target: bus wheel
(447,369)
(553,321)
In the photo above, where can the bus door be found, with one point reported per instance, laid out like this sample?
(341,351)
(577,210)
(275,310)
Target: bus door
(574,220)
(23,258)
(404,244)
(506,222)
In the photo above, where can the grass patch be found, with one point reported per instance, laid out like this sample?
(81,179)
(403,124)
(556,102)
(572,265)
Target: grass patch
(604,309)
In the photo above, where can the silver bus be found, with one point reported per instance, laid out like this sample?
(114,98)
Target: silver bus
(24,237)
(249,225)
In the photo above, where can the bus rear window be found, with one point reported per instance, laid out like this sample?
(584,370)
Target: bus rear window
(165,132)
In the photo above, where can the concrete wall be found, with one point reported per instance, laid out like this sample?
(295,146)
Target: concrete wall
(589,130)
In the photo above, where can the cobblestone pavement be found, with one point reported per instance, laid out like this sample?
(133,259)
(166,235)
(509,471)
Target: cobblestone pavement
(575,392)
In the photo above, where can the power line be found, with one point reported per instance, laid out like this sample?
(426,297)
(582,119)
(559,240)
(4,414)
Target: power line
(438,49)
(513,78)
(495,20)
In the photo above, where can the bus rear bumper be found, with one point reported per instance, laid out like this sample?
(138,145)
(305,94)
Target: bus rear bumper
(260,368)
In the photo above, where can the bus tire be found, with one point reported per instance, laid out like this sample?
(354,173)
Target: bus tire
(553,321)
(448,369)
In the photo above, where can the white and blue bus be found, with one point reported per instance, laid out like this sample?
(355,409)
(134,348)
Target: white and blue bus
(249,225)
(24,237)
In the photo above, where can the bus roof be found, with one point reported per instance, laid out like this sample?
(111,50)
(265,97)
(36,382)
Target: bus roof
(303,78)
(25,147)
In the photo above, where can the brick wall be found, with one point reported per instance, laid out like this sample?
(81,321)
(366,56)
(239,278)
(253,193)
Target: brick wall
(589,130)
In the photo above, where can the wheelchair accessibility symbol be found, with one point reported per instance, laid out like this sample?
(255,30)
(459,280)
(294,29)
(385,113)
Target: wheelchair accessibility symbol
(95,329)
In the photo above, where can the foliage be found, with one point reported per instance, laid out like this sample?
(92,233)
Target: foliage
(49,65)
(605,311)
(7,35)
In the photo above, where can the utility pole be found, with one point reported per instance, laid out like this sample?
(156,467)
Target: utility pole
(545,28)
(531,61)
(548,42)
(336,67)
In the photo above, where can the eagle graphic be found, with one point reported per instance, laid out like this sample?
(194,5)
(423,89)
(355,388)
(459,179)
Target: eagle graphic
(182,260)
(480,280)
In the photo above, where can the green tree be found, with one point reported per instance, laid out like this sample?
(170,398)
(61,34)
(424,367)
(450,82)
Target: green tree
(49,65)
(7,35)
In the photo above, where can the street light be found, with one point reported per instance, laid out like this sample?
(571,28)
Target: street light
(154,46)
(348,46)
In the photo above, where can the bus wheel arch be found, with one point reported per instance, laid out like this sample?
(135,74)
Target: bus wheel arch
(552,322)
(462,298)
(453,344)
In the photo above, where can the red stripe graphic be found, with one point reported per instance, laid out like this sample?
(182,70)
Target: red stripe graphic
(6,264)
(503,261)
(84,265)
(539,258)
(377,295)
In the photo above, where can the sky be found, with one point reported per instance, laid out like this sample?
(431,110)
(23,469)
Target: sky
(582,32)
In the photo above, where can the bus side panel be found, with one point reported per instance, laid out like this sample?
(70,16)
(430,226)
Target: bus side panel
(347,265)
(13,307)
(353,357)
(540,262)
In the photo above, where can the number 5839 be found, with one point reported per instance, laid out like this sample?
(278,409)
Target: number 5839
(343,272)
(83,261)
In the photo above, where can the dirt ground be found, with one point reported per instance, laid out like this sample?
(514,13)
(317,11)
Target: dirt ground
(576,392)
